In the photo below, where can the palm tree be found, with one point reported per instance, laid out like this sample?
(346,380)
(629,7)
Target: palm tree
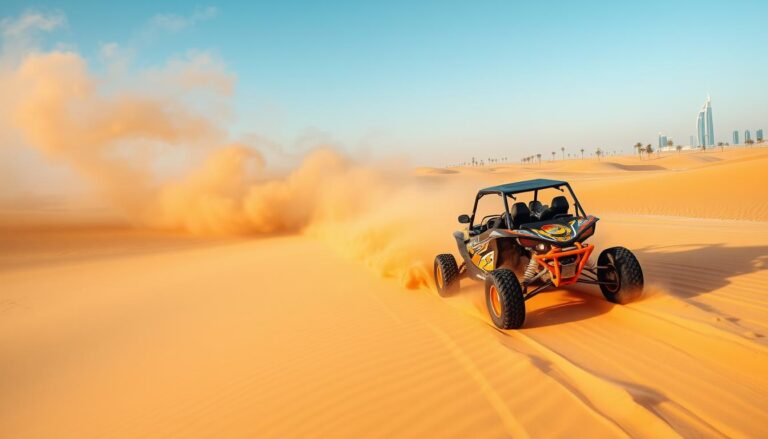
(679,148)
(649,149)
(538,156)
(582,153)
(639,148)
(562,149)
(553,156)
(598,153)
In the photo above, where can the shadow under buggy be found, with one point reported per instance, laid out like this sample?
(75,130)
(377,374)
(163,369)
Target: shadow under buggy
(530,247)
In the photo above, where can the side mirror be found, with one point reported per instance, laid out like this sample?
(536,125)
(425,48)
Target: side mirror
(464,219)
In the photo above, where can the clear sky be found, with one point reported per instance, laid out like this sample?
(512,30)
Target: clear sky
(442,81)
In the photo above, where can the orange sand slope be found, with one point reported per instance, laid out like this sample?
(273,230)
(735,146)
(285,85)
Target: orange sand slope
(712,184)
(114,333)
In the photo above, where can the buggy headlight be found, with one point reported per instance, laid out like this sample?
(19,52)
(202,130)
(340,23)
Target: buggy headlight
(542,247)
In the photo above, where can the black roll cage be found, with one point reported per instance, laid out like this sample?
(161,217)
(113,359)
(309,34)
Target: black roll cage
(505,194)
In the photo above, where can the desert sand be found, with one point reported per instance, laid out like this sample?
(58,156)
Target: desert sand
(335,330)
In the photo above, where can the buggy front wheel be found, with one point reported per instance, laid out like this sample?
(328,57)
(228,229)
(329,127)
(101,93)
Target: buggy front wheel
(504,299)
(620,275)
(446,275)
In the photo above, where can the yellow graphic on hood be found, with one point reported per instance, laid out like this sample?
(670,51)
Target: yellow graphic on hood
(558,232)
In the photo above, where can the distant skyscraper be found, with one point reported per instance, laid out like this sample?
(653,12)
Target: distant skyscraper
(747,136)
(704,126)
(710,127)
(735,137)
(693,141)
(759,135)
(662,141)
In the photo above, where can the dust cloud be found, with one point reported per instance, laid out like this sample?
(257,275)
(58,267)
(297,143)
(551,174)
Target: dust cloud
(158,152)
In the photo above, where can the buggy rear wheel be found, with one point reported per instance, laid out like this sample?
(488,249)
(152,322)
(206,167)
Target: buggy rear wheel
(621,272)
(446,275)
(504,298)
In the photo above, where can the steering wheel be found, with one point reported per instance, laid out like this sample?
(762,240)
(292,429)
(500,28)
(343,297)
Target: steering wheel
(487,219)
(495,221)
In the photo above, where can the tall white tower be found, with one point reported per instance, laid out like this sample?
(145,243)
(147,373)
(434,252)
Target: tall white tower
(705,129)
(710,126)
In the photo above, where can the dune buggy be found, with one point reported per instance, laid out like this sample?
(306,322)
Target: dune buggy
(531,247)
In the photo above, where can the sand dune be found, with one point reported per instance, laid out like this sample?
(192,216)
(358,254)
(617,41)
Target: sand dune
(714,184)
(118,332)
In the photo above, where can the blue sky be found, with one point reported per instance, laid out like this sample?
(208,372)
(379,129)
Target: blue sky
(442,81)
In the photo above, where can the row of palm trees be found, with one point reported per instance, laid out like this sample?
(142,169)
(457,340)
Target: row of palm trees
(489,161)
(599,152)
(648,149)
(480,162)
